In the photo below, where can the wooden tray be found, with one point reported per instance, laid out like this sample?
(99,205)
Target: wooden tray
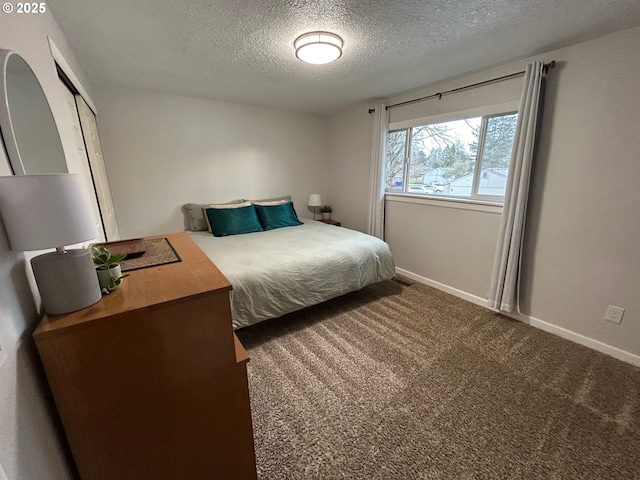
(133,247)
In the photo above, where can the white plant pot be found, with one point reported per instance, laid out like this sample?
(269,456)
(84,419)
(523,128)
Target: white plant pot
(326,215)
(105,276)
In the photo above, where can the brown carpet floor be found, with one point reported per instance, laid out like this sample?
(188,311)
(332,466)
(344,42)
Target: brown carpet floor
(402,381)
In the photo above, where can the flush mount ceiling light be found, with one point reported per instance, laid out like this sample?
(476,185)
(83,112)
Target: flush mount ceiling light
(318,47)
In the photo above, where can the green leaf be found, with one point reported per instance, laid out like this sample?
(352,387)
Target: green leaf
(117,258)
(103,259)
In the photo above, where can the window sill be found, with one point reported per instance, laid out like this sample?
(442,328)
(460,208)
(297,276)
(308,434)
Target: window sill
(445,202)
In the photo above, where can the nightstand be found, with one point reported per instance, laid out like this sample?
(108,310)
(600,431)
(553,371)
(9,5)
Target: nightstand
(330,222)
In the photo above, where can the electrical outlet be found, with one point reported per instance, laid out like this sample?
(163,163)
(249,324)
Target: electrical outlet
(614,314)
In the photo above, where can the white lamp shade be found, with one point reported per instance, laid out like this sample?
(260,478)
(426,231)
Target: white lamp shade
(314,200)
(45,211)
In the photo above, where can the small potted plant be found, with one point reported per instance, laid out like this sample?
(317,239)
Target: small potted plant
(108,268)
(326,212)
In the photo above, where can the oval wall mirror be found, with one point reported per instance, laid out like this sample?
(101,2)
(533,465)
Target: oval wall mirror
(29,132)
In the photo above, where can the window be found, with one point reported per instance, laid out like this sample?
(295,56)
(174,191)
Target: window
(466,158)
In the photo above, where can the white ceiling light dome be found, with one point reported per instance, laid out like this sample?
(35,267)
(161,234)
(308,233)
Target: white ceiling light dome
(318,47)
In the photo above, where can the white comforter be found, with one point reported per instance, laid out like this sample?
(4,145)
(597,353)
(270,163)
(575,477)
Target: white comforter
(283,270)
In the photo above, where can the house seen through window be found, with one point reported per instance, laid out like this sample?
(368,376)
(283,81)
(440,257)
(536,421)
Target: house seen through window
(466,158)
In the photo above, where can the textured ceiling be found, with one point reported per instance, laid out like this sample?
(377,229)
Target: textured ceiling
(242,50)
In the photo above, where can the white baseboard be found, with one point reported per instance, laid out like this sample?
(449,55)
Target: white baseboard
(615,352)
(441,286)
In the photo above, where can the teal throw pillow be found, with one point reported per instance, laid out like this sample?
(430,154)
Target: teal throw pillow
(277,216)
(233,221)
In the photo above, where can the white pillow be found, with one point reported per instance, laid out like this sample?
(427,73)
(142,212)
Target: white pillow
(195,217)
(270,202)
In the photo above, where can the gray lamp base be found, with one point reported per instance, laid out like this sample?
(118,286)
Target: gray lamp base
(67,282)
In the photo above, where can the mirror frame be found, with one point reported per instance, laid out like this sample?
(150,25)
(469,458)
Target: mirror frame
(6,125)
(7,131)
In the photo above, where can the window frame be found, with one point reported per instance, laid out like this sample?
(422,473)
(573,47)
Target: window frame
(486,112)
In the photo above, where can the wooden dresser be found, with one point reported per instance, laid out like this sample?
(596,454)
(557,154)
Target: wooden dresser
(151,381)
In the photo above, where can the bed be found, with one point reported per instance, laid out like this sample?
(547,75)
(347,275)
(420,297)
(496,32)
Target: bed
(279,271)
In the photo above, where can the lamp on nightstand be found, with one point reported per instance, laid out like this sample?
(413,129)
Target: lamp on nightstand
(314,201)
(50,211)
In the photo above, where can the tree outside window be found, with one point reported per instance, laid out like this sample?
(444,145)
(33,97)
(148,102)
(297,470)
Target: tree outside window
(462,158)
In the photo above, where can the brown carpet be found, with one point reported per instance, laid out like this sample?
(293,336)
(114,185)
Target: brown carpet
(406,382)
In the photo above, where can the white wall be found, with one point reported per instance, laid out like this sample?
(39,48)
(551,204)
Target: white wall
(581,246)
(163,151)
(350,137)
(452,244)
(31,440)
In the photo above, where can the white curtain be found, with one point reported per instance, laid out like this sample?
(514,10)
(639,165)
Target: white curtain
(503,293)
(375,223)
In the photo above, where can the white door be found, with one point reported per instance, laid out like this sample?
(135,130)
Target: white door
(98,169)
(78,162)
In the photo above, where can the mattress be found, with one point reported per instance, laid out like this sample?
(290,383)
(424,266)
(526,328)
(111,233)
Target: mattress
(283,270)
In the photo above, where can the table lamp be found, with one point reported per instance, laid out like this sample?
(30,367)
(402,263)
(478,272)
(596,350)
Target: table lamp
(314,201)
(50,211)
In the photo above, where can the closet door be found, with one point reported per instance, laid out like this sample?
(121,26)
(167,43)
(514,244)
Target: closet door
(98,169)
(78,162)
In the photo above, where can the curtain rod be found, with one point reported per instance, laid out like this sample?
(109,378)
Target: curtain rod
(546,67)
